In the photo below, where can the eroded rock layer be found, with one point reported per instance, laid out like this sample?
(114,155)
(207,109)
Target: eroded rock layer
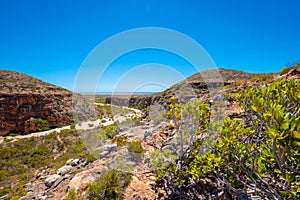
(28,104)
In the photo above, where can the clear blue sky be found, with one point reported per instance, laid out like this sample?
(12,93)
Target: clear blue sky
(49,39)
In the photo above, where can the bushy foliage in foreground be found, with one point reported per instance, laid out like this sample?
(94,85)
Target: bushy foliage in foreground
(259,158)
(20,159)
(110,185)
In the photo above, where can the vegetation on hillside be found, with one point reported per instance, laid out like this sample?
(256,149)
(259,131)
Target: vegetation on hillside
(255,158)
(15,82)
(285,70)
(20,159)
(110,185)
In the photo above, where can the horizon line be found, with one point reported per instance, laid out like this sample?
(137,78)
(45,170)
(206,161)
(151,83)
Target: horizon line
(144,92)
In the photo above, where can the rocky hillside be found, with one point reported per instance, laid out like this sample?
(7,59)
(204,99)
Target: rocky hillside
(199,81)
(28,104)
(194,86)
(58,165)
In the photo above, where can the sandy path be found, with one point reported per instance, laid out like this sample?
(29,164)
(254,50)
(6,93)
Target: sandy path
(138,112)
(36,134)
(82,126)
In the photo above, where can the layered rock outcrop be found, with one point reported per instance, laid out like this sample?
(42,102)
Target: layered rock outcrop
(28,104)
(201,85)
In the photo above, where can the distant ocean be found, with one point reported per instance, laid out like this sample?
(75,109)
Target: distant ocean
(119,93)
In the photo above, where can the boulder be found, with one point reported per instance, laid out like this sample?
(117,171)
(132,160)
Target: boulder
(69,162)
(110,147)
(52,179)
(64,170)
(83,179)
(75,162)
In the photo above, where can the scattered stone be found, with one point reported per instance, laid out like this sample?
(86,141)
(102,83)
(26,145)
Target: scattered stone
(57,182)
(35,190)
(4,197)
(83,179)
(69,162)
(42,197)
(147,133)
(103,154)
(110,147)
(29,195)
(52,179)
(139,189)
(75,162)
(67,176)
(41,174)
(64,170)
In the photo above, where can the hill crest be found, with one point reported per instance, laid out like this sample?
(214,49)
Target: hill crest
(19,83)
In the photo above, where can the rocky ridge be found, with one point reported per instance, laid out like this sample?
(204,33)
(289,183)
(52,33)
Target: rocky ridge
(28,104)
(143,185)
(199,86)
(75,174)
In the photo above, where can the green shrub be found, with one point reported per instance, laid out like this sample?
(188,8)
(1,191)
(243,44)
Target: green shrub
(90,158)
(262,77)
(110,185)
(72,195)
(284,71)
(160,160)
(72,126)
(41,124)
(120,140)
(261,156)
(37,152)
(41,121)
(136,147)
(136,150)
(110,131)
(20,159)
(90,125)
(14,134)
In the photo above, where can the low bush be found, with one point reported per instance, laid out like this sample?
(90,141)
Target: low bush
(110,185)
(90,158)
(20,159)
(110,131)
(285,70)
(136,150)
(41,124)
(120,140)
(71,195)
(255,159)
(136,147)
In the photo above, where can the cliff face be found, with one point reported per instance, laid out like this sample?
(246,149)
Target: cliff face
(196,86)
(140,102)
(29,105)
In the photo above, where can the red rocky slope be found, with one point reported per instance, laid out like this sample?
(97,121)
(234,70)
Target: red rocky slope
(28,104)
